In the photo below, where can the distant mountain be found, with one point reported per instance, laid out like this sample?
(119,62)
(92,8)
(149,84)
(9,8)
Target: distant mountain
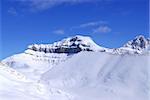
(69,45)
(138,44)
(79,43)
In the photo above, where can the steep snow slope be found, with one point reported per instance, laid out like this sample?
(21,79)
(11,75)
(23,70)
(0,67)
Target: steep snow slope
(14,86)
(102,76)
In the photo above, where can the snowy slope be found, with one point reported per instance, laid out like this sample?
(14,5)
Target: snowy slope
(102,76)
(33,65)
(14,86)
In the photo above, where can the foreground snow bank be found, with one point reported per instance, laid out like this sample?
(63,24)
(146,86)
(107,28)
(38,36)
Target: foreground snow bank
(102,76)
(14,86)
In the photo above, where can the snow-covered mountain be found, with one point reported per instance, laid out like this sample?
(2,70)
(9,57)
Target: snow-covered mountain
(76,68)
(39,58)
(138,45)
(69,45)
(79,43)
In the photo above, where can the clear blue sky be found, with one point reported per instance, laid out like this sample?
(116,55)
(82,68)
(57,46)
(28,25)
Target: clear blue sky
(110,23)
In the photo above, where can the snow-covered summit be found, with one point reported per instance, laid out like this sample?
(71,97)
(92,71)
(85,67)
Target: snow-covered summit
(139,43)
(73,44)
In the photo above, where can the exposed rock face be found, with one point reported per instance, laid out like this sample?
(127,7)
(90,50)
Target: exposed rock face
(139,43)
(69,45)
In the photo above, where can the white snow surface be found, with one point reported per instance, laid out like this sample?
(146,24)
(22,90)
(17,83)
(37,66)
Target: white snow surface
(14,86)
(33,64)
(101,74)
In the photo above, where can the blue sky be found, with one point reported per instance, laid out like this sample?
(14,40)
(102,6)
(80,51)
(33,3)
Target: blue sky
(110,23)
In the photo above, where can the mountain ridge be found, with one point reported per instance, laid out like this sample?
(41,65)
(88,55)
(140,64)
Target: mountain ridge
(80,43)
(72,44)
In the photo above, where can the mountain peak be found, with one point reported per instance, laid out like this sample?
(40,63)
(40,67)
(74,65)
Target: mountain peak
(139,43)
(72,44)
(76,40)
